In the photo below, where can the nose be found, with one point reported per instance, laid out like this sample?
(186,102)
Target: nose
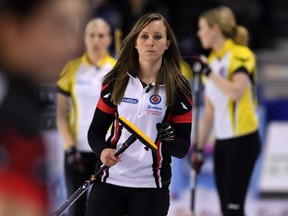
(96,39)
(150,42)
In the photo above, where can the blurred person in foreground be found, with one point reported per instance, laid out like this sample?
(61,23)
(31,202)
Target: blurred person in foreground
(229,107)
(81,81)
(37,37)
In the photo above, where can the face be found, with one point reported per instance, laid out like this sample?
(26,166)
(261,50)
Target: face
(97,38)
(42,44)
(152,41)
(206,33)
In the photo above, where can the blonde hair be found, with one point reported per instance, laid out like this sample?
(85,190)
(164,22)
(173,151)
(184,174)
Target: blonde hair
(95,21)
(225,19)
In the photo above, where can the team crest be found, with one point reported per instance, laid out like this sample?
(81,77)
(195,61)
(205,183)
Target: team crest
(222,72)
(155,99)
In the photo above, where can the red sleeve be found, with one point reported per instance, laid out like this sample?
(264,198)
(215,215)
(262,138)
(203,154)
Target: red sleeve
(182,112)
(104,103)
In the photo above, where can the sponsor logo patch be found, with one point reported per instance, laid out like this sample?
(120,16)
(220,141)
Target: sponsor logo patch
(222,72)
(84,82)
(129,100)
(153,108)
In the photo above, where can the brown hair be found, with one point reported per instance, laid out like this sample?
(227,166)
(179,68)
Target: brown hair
(225,19)
(128,61)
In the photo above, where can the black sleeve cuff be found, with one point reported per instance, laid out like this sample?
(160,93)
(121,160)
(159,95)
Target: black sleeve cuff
(180,147)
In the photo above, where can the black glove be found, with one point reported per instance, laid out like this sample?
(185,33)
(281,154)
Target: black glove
(166,132)
(73,159)
(199,66)
(197,158)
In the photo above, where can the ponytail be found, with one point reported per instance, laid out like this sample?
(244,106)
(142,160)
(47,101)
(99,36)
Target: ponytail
(241,35)
(224,17)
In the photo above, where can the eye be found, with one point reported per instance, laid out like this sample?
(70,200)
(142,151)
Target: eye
(157,37)
(101,36)
(144,36)
(92,35)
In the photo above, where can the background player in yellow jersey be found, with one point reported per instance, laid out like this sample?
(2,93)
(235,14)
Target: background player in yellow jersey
(229,106)
(81,82)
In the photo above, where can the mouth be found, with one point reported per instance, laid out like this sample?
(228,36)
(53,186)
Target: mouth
(95,48)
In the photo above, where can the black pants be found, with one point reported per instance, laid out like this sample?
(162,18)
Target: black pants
(75,178)
(234,161)
(110,200)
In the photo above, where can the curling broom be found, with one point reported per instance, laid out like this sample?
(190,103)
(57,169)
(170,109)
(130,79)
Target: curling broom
(136,133)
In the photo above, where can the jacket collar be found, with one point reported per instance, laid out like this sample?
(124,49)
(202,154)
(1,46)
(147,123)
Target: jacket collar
(228,44)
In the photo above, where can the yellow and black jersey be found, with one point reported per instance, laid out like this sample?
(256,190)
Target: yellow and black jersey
(233,118)
(82,81)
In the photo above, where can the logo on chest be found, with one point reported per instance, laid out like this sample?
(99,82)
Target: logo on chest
(154,109)
(129,100)
(155,99)
(84,82)
(222,72)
